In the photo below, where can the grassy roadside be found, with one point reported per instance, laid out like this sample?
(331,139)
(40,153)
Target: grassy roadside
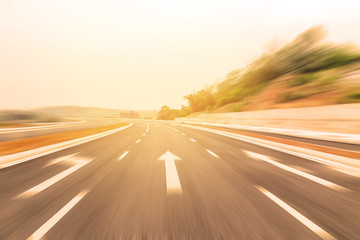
(21,145)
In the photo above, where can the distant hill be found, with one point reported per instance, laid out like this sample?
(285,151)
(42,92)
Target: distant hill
(56,113)
(93,112)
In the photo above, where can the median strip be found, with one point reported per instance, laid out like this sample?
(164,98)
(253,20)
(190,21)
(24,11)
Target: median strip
(20,151)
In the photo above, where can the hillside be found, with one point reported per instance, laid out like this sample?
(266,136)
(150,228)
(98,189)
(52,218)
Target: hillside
(336,86)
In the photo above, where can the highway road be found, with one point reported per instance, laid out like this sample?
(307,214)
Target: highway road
(156,180)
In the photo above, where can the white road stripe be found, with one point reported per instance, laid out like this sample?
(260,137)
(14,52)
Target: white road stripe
(144,134)
(183,134)
(192,139)
(147,128)
(138,141)
(295,171)
(212,153)
(173,129)
(56,218)
(123,155)
(308,223)
(51,181)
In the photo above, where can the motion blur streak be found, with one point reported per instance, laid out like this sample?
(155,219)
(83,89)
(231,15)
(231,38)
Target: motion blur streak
(180,119)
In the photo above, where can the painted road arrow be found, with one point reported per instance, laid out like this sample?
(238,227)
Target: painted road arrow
(79,163)
(173,185)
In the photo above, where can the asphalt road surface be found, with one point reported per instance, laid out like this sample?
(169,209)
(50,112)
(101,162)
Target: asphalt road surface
(155,180)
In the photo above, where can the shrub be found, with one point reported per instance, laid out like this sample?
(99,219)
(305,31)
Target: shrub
(292,96)
(238,107)
(355,95)
(301,80)
(350,97)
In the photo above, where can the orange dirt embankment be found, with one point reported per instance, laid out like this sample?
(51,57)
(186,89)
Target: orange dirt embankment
(21,145)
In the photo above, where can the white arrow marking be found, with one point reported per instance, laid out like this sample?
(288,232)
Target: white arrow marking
(51,181)
(297,172)
(173,129)
(173,185)
(60,159)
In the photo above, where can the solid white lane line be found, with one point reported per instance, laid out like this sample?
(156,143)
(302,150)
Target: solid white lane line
(56,218)
(138,141)
(295,171)
(212,153)
(173,129)
(308,223)
(51,181)
(123,155)
(192,139)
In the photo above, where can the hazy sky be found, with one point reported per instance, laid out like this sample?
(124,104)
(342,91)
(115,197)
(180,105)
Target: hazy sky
(144,54)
